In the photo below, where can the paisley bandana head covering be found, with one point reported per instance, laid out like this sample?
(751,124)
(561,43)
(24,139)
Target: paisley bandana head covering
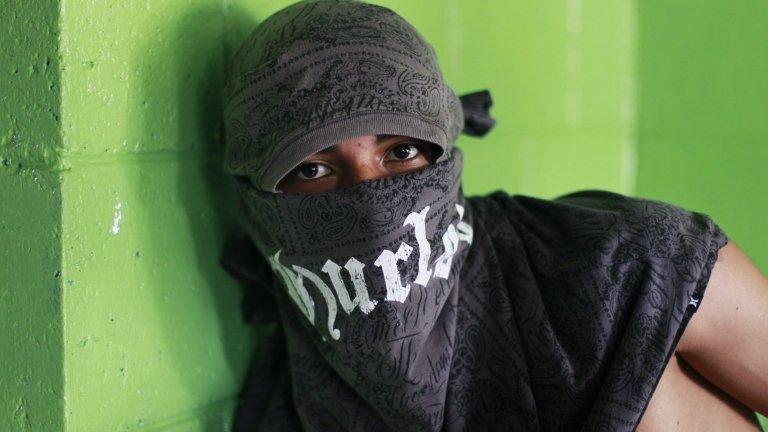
(317,72)
(404,306)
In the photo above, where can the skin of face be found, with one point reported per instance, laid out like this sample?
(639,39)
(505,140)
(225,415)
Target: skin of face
(358,158)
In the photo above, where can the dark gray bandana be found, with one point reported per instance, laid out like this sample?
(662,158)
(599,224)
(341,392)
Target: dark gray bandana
(317,72)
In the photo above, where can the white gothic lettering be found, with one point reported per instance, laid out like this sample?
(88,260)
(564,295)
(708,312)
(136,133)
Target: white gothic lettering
(387,261)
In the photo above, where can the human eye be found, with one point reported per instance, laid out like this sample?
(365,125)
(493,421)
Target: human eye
(404,151)
(312,171)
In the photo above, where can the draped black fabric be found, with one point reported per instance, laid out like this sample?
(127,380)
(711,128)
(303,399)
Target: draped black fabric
(567,312)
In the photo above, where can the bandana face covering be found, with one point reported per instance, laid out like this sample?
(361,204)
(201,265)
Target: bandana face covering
(368,274)
(371,272)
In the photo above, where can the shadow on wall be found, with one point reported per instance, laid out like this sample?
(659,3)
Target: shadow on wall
(197,304)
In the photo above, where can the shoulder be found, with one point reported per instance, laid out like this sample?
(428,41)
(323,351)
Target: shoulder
(640,226)
(594,231)
(618,276)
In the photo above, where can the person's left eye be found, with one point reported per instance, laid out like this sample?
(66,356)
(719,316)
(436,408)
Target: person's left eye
(404,151)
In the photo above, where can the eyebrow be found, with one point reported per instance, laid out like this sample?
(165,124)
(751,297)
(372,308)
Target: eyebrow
(380,138)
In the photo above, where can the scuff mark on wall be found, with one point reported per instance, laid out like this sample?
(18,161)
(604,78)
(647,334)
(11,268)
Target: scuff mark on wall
(117,218)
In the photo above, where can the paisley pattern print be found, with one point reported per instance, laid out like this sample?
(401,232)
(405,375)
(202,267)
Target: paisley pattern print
(318,71)
(565,314)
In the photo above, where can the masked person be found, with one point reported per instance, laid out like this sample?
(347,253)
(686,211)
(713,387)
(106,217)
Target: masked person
(400,303)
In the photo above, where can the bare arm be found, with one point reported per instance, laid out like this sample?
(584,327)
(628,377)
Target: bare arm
(726,340)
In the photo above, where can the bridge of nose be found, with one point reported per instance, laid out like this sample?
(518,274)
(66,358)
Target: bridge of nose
(360,155)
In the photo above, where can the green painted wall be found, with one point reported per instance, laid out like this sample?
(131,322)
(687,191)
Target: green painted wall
(31,349)
(152,328)
(703,113)
(115,314)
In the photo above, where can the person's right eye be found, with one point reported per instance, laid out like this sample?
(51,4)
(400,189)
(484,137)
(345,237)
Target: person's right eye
(312,171)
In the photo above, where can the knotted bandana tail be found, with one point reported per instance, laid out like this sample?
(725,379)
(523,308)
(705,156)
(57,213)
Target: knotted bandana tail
(477,118)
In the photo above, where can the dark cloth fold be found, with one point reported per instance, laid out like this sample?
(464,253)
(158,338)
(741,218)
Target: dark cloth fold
(243,261)
(265,402)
